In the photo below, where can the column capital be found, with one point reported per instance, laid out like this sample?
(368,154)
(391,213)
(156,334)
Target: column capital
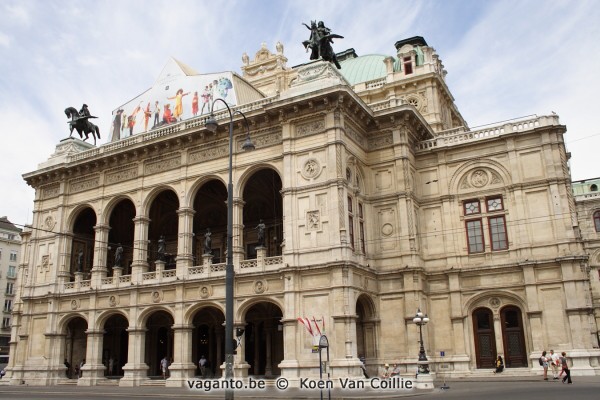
(186,211)
(141,219)
(101,227)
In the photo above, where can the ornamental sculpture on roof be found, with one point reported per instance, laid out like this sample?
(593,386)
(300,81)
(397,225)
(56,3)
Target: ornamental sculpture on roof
(80,122)
(320,42)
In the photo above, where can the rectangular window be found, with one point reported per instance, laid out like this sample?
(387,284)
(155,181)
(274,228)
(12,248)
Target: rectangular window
(350,223)
(494,204)
(472,207)
(475,236)
(9,288)
(498,233)
(407,66)
(13,256)
(361,227)
(7,305)
(12,272)
(6,322)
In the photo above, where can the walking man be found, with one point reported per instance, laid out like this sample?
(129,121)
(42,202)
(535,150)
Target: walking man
(202,365)
(164,366)
(554,364)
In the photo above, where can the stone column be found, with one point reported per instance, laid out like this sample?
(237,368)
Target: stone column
(136,370)
(499,334)
(139,263)
(63,273)
(261,254)
(182,368)
(239,249)
(185,240)
(93,370)
(240,366)
(99,269)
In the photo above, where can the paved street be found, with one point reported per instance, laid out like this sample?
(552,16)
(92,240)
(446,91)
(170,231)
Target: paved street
(489,389)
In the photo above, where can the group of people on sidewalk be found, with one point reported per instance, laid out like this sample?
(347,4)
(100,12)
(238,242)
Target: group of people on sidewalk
(556,362)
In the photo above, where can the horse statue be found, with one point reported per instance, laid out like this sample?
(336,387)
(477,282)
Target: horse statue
(80,122)
(320,42)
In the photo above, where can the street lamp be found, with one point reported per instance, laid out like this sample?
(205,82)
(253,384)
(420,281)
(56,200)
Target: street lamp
(421,319)
(211,125)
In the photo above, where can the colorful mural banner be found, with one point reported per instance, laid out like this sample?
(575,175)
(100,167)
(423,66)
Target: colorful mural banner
(171,100)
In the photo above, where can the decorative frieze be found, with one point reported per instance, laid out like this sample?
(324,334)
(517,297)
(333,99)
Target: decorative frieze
(161,164)
(51,191)
(381,141)
(205,154)
(120,174)
(83,184)
(310,128)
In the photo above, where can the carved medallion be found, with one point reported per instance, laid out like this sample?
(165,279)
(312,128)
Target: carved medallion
(156,297)
(49,222)
(113,301)
(260,287)
(204,292)
(479,178)
(387,229)
(311,168)
(75,304)
(495,302)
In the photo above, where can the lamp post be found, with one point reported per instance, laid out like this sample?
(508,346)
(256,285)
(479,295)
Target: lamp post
(211,125)
(421,319)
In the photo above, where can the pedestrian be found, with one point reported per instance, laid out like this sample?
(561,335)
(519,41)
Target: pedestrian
(202,365)
(68,372)
(164,366)
(499,365)
(81,364)
(385,372)
(554,364)
(363,367)
(111,366)
(565,368)
(544,364)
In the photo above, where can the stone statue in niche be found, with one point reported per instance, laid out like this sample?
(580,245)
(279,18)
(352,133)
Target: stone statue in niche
(207,242)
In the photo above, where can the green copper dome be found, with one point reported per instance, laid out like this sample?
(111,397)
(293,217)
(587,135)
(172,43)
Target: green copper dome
(363,68)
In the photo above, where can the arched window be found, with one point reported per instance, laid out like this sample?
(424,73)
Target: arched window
(594,188)
(597,221)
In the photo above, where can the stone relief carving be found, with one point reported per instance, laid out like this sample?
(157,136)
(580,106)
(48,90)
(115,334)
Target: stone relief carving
(495,302)
(45,264)
(113,301)
(479,178)
(387,229)
(51,191)
(156,296)
(313,220)
(161,165)
(78,185)
(208,154)
(381,141)
(260,287)
(49,222)
(310,128)
(205,292)
(121,174)
(311,169)
(75,304)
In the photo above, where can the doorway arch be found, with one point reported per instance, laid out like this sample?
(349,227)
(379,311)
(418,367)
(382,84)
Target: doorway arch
(485,337)
(513,337)
(264,339)
(115,345)
(159,340)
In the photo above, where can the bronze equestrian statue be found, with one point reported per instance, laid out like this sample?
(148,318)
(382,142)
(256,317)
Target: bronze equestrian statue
(80,122)
(320,42)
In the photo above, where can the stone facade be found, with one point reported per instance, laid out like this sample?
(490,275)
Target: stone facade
(378,200)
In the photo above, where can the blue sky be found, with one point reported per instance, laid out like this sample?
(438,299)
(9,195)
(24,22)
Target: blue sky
(505,59)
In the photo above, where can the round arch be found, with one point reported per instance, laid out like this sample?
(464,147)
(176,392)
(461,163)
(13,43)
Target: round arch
(72,215)
(190,313)
(110,206)
(366,329)
(249,172)
(106,315)
(149,198)
(457,176)
(190,195)
(263,338)
(249,303)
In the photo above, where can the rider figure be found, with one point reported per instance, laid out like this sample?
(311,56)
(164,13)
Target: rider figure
(84,112)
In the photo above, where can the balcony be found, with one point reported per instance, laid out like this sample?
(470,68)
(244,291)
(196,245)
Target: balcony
(207,270)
